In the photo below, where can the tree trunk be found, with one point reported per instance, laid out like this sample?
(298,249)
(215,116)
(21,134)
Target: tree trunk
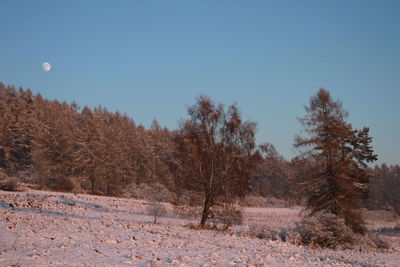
(206,209)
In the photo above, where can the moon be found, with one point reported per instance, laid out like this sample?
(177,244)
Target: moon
(46,66)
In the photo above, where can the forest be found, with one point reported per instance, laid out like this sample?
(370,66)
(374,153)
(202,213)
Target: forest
(65,147)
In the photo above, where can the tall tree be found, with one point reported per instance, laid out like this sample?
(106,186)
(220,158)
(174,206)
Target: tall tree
(341,153)
(215,150)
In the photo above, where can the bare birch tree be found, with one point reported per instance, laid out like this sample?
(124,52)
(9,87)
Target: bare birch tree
(215,151)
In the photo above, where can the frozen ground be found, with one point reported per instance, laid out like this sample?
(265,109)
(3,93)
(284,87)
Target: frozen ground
(40,228)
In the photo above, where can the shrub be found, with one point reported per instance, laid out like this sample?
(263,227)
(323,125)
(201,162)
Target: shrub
(285,234)
(378,242)
(327,231)
(66,184)
(7,183)
(59,183)
(263,232)
(156,209)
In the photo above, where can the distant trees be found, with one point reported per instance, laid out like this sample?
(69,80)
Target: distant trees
(15,129)
(216,152)
(385,188)
(339,180)
(273,175)
(63,147)
(90,151)
(53,144)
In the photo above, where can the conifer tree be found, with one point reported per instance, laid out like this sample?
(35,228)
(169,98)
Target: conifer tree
(341,155)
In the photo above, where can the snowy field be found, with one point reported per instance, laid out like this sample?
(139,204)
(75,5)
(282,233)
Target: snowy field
(39,228)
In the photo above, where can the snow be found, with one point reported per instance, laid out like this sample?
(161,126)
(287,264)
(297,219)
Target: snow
(39,228)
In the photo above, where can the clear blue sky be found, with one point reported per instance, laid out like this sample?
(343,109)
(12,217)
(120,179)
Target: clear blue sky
(151,59)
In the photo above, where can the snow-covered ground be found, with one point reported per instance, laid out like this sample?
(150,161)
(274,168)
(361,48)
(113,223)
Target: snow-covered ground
(39,228)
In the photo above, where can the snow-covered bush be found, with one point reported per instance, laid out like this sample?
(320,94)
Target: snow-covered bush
(288,235)
(326,230)
(263,232)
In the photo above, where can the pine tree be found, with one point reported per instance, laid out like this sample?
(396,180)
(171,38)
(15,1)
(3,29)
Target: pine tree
(341,153)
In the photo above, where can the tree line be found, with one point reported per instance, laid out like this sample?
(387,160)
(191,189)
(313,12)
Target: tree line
(60,145)
(213,154)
